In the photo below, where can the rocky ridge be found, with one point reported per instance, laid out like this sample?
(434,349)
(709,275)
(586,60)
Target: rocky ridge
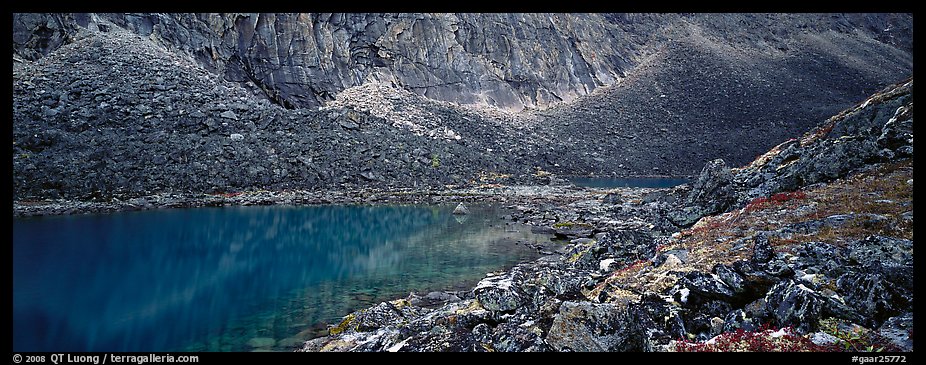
(169,127)
(827,267)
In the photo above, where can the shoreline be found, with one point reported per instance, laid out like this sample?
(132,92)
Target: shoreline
(495,193)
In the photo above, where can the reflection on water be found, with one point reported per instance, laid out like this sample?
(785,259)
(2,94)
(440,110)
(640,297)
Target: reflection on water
(235,279)
(627,182)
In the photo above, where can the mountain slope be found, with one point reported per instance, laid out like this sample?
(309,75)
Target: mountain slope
(132,104)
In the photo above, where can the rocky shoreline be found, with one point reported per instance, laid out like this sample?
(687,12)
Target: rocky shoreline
(809,248)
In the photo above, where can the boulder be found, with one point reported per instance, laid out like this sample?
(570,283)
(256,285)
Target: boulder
(592,327)
(228,114)
(873,295)
(728,276)
(762,251)
(612,198)
(898,331)
(498,293)
(793,304)
(713,192)
(349,125)
(740,320)
(696,288)
(460,209)
(518,337)
(656,323)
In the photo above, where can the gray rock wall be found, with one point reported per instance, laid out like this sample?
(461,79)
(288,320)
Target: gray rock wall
(507,60)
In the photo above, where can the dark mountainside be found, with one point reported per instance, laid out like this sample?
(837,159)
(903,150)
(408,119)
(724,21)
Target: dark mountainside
(124,105)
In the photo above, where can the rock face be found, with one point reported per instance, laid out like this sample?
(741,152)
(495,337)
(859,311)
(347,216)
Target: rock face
(508,60)
(511,60)
(713,192)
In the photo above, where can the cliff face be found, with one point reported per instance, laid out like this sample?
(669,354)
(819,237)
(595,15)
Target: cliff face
(508,60)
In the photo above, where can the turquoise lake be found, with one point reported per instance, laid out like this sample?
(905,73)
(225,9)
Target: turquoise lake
(238,278)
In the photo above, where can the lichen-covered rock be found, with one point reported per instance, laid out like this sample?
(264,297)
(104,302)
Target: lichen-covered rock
(393,313)
(824,259)
(627,246)
(888,251)
(697,288)
(729,277)
(762,251)
(874,295)
(656,322)
(499,293)
(530,286)
(878,284)
(585,326)
(791,303)
(516,336)
(740,320)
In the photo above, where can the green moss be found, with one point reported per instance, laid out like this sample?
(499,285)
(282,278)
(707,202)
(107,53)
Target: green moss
(343,326)
(472,307)
(578,255)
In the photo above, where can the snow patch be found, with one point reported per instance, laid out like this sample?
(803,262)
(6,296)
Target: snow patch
(500,282)
(605,264)
(779,333)
(804,288)
(684,293)
(398,346)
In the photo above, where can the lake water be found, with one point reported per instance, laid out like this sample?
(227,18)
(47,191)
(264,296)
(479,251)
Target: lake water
(627,182)
(241,278)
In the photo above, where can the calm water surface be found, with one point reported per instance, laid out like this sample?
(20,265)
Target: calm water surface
(238,279)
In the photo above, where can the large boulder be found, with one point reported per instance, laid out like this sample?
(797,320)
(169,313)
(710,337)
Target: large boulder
(697,288)
(585,327)
(790,303)
(793,304)
(498,293)
(879,284)
(712,193)
(656,323)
